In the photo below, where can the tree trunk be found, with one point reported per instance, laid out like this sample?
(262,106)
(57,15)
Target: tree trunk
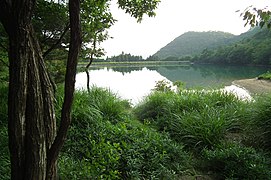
(33,141)
(31,116)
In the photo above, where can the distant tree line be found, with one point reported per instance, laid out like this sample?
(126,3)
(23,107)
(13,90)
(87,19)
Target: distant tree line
(124,57)
(170,58)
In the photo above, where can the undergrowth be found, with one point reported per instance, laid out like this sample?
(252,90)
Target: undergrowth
(169,135)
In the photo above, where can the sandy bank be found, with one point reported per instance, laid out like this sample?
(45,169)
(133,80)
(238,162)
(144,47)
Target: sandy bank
(254,86)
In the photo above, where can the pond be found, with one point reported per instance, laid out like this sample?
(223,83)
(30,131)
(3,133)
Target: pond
(133,83)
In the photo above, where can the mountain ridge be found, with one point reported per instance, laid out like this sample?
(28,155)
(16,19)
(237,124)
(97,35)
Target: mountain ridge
(192,43)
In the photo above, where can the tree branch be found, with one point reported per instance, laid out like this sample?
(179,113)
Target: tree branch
(75,46)
(92,53)
(58,42)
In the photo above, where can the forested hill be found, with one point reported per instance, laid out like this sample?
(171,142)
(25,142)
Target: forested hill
(252,48)
(192,43)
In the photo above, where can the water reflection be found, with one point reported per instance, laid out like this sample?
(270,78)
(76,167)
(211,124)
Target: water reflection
(132,85)
(209,75)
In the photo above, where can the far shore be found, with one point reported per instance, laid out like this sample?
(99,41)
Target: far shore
(136,63)
(254,86)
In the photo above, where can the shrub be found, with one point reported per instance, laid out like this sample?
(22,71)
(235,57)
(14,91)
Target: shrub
(236,162)
(148,154)
(266,76)
(102,147)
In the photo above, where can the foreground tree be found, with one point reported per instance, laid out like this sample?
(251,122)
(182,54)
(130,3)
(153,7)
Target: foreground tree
(34,140)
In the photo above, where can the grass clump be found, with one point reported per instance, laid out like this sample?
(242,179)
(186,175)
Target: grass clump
(111,144)
(258,126)
(198,119)
(233,161)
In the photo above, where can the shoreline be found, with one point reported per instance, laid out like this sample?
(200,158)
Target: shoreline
(254,86)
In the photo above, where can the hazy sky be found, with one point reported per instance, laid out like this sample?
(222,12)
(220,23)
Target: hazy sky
(173,18)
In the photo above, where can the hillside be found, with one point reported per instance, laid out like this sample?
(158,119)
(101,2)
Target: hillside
(252,48)
(192,43)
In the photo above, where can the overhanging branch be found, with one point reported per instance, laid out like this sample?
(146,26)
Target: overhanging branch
(58,42)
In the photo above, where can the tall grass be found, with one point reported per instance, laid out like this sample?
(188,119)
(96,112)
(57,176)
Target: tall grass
(198,119)
(234,161)
(164,137)
(259,123)
(105,142)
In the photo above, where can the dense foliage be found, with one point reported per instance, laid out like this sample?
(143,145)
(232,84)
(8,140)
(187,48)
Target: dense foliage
(265,76)
(250,48)
(253,50)
(167,136)
(192,43)
(123,57)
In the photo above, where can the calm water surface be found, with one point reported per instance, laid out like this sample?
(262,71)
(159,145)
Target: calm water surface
(133,83)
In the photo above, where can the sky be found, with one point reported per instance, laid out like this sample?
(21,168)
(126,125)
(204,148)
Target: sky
(173,18)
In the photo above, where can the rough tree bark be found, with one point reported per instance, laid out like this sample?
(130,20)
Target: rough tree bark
(33,141)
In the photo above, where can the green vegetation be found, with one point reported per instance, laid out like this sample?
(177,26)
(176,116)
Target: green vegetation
(250,48)
(259,127)
(265,76)
(107,142)
(4,152)
(167,136)
(123,57)
(233,161)
(193,43)
(198,119)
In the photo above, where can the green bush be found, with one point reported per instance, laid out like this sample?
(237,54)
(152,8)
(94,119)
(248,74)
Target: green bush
(100,147)
(148,154)
(266,76)
(236,162)
(155,105)
(196,118)
(259,123)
